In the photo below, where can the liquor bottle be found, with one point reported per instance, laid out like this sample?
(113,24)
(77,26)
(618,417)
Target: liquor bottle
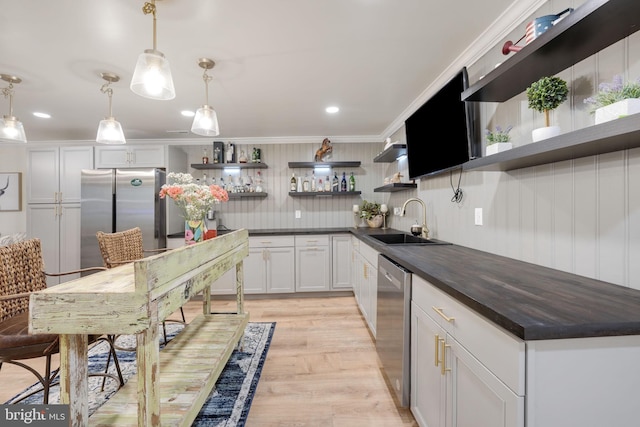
(305,183)
(343,183)
(352,182)
(294,183)
(205,180)
(313,181)
(335,184)
(327,184)
(205,157)
(320,185)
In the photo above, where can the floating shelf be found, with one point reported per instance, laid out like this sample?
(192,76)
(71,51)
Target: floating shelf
(587,30)
(392,188)
(391,154)
(323,193)
(246,195)
(616,135)
(330,164)
(202,166)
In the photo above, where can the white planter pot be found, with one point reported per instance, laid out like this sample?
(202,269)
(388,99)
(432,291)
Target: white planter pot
(497,148)
(618,109)
(545,132)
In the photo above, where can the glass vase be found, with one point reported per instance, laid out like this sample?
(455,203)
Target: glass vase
(194,231)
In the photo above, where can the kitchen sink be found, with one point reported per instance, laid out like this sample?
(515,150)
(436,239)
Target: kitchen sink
(405,239)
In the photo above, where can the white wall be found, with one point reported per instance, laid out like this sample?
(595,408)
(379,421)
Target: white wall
(14,159)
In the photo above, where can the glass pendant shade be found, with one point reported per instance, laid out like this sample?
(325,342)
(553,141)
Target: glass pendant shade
(110,132)
(11,130)
(152,76)
(205,122)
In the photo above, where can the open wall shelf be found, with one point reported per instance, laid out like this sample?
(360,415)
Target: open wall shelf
(392,188)
(323,193)
(203,166)
(391,153)
(320,164)
(587,30)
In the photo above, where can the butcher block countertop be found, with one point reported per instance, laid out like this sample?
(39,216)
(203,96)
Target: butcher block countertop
(530,301)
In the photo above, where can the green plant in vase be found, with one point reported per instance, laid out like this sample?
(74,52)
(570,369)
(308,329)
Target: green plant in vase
(371,211)
(544,96)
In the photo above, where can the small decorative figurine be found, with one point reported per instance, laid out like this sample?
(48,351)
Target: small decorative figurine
(324,150)
(396,178)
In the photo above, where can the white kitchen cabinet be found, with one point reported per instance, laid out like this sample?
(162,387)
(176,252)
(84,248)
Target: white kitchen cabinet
(270,266)
(366,282)
(464,370)
(53,173)
(53,205)
(313,263)
(58,228)
(341,262)
(130,156)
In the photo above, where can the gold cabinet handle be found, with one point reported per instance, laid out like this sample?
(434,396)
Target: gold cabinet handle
(436,358)
(443,365)
(441,313)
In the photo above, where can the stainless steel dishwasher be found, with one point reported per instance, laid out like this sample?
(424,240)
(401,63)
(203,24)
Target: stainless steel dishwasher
(393,325)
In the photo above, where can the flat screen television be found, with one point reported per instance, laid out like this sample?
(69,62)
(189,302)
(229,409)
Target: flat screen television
(440,134)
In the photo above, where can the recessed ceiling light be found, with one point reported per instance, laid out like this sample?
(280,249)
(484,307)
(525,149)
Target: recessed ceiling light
(42,115)
(332,110)
(187,113)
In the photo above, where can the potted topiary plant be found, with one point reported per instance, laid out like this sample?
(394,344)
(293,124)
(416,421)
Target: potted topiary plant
(372,213)
(546,95)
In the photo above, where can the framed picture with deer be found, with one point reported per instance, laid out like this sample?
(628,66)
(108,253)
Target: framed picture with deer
(10,191)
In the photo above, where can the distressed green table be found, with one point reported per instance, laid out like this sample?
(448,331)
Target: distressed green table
(171,386)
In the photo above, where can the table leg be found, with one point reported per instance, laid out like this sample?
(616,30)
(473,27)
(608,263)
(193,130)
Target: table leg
(74,368)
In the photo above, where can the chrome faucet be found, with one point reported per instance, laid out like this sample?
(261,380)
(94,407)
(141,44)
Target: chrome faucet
(425,230)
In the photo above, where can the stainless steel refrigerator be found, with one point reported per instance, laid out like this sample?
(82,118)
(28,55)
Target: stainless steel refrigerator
(120,199)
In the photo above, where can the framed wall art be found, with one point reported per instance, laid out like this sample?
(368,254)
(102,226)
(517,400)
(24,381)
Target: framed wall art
(10,191)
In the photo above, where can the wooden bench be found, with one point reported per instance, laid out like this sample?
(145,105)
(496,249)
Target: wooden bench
(171,386)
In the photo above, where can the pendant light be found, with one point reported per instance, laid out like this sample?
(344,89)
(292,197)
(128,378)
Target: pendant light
(109,130)
(152,75)
(11,129)
(205,122)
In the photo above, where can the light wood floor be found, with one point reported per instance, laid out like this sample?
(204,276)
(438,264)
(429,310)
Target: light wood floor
(322,369)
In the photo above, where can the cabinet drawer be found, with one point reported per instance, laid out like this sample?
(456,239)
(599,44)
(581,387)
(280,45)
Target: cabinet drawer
(271,241)
(370,254)
(502,353)
(312,240)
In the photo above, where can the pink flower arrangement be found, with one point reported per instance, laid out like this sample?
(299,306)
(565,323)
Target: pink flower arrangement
(193,199)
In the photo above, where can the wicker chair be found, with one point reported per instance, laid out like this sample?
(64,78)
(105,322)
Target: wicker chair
(123,247)
(22,273)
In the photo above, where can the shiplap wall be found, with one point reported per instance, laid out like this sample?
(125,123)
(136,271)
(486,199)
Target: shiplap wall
(277,210)
(580,216)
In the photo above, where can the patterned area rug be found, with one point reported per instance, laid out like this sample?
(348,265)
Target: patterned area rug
(229,402)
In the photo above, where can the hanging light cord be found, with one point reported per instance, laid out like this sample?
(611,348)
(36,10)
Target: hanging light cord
(457,192)
(8,93)
(207,78)
(147,9)
(107,89)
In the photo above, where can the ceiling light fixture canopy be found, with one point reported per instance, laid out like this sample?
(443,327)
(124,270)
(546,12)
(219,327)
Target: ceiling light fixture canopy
(152,75)
(205,122)
(110,130)
(11,129)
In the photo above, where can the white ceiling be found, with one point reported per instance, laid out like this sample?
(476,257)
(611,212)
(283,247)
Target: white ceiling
(279,63)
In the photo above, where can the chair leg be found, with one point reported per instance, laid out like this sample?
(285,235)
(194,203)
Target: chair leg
(46,381)
(184,320)
(110,339)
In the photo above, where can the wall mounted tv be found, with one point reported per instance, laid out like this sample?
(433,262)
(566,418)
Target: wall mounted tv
(440,134)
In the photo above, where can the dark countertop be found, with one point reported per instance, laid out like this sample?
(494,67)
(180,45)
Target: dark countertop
(530,301)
